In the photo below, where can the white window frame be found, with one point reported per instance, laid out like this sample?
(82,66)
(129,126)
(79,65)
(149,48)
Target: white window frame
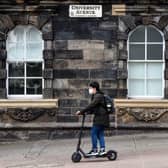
(25,96)
(146,62)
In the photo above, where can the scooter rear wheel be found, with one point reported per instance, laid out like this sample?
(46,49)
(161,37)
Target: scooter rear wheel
(112,155)
(76,157)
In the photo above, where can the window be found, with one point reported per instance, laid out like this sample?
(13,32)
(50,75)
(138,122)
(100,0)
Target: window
(24,62)
(146,63)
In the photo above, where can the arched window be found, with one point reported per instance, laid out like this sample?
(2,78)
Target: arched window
(146,63)
(24,62)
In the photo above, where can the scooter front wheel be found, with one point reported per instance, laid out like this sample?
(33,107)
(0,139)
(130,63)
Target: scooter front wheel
(112,155)
(76,157)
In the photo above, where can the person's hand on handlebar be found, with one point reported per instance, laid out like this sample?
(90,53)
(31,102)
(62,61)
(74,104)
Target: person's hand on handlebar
(78,113)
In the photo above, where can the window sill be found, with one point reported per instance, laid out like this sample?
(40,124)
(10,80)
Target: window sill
(149,103)
(18,103)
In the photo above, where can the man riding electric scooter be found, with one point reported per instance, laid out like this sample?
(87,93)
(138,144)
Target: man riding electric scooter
(100,122)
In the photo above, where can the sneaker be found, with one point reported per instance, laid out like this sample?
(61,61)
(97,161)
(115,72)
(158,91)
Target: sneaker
(93,152)
(102,152)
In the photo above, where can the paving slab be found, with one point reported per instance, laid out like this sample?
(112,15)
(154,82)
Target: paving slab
(148,150)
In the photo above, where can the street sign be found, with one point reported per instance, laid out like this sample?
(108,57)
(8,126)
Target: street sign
(85,11)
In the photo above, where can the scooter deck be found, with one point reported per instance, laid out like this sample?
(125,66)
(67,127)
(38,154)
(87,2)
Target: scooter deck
(95,156)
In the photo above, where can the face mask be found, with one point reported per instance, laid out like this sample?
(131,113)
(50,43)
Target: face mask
(90,91)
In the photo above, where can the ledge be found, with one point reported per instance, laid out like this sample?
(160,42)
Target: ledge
(47,125)
(146,103)
(77,126)
(40,103)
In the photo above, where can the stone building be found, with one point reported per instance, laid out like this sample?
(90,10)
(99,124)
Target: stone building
(49,55)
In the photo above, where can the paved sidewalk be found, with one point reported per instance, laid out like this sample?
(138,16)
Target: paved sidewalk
(134,151)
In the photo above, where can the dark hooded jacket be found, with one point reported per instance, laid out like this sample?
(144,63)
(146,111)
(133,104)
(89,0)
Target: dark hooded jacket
(97,107)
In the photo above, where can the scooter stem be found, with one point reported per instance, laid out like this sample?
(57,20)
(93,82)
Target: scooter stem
(81,131)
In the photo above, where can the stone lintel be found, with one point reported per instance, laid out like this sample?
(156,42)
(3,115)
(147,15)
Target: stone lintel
(118,9)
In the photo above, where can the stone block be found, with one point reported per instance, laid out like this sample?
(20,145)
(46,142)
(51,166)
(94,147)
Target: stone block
(122,36)
(48,64)
(166,52)
(110,54)
(122,74)
(62,35)
(44,21)
(77,84)
(61,25)
(47,93)
(67,118)
(7,21)
(110,44)
(123,54)
(61,74)
(48,36)
(2,64)
(108,25)
(103,73)
(3,73)
(122,27)
(60,44)
(165,32)
(69,103)
(108,64)
(48,73)
(3,54)
(120,64)
(82,28)
(2,83)
(73,103)
(68,54)
(85,44)
(48,27)
(48,54)
(33,20)
(2,44)
(163,21)
(129,21)
(85,64)
(122,84)
(71,73)
(166,74)
(104,35)
(147,20)
(112,118)
(60,84)
(61,64)
(93,54)
(69,93)
(48,83)
(2,36)
(48,45)
(3,93)
(61,111)
(122,93)
(122,45)
(82,73)
(109,84)
(166,90)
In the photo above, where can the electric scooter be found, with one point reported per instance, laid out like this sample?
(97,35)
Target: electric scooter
(77,156)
